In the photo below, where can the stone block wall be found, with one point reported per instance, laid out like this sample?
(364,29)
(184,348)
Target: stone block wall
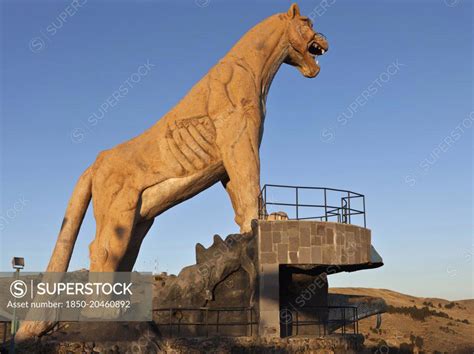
(312,242)
(301,242)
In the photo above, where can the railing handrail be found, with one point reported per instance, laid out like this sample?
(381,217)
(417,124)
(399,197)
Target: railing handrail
(178,323)
(344,212)
(203,308)
(324,307)
(310,187)
(343,322)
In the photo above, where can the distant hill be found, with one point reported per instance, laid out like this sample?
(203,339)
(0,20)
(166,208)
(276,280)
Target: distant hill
(417,324)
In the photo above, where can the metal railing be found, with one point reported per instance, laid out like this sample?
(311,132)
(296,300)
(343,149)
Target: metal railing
(350,203)
(205,321)
(319,320)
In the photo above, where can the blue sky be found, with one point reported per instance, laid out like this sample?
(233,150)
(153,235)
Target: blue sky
(407,146)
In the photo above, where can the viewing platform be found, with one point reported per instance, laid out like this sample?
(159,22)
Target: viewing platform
(315,232)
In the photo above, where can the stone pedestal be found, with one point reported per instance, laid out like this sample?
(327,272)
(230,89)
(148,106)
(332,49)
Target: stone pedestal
(312,246)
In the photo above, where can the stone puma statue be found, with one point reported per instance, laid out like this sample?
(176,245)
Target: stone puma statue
(213,134)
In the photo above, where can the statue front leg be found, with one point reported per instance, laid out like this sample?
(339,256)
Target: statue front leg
(242,165)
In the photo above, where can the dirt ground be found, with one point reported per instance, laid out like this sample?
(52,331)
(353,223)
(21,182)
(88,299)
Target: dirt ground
(417,324)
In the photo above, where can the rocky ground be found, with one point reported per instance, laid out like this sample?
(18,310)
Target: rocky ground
(417,324)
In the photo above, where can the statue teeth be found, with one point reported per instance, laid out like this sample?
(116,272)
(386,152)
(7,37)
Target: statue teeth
(322,51)
(317,62)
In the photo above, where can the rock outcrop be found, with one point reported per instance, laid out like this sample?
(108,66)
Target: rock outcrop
(224,277)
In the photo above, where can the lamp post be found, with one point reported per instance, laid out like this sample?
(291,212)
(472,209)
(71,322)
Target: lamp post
(18,263)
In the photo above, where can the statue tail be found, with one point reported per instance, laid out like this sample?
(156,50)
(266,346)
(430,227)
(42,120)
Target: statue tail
(62,253)
(71,225)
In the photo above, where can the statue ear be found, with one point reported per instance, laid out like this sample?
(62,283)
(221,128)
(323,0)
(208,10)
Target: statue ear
(293,11)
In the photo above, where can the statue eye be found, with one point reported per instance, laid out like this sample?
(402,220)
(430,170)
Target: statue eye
(302,30)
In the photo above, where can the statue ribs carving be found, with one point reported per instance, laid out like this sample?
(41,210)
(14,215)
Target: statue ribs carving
(192,143)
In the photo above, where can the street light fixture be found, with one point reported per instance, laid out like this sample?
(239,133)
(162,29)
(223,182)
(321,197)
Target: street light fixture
(18,263)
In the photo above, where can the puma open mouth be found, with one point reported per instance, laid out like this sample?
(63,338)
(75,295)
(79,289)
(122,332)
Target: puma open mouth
(315,49)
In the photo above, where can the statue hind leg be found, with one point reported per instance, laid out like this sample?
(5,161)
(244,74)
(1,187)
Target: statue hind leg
(116,216)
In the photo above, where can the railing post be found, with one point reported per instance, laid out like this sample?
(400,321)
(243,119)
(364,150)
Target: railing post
(265,202)
(260,205)
(297,324)
(325,205)
(207,322)
(349,205)
(343,310)
(169,323)
(343,211)
(326,323)
(251,322)
(297,217)
(363,201)
(354,309)
(357,319)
